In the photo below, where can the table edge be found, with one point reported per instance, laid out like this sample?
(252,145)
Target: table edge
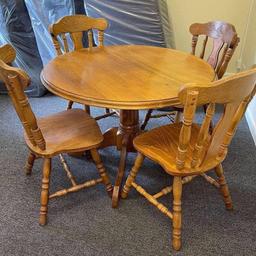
(152,104)
(135,105)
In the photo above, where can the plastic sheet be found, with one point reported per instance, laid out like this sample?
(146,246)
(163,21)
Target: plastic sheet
(42,14)
(24,24)
(133,22)
(16,29)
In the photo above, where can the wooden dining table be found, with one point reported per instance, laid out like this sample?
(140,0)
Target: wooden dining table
(128,78)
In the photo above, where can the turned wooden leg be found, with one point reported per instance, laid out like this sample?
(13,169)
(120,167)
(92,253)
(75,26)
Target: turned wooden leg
(70,104)
(224,187)
(45,191)
(146,119)
(120,173)
(87,109)
(88,155)
(96,158)
(132,175)
(177,192)
(30,163)
(127,131)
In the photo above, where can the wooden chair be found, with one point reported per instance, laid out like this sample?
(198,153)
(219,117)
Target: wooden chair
(224,42)
(185,150)
(71,29)
(7,54)
(72,130)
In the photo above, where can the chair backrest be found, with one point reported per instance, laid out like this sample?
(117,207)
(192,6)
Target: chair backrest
(234,93)
(16,80)
(75,25)
(7,53)
(225,40)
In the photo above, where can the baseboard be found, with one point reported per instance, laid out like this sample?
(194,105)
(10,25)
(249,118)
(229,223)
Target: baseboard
(251,120)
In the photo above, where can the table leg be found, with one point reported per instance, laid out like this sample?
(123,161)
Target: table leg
(121,171)
(110,138)
(127,131)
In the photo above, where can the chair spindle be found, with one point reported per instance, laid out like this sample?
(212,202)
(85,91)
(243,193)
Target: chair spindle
(204,47)
(202,136)
(185,133)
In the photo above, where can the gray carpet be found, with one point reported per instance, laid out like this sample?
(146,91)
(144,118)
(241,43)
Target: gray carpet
(85,224)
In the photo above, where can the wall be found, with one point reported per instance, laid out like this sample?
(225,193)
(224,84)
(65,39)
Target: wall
(249,58)
(240,13)
(184,13)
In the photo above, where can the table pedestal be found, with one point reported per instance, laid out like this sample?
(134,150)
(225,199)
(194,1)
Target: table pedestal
(122,137)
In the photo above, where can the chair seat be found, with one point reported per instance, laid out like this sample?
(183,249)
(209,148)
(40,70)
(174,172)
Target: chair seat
(161,145)
(71,130)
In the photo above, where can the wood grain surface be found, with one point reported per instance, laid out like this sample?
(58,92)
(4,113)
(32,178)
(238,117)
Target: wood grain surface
(124,77)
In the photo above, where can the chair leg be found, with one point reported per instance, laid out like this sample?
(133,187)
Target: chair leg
(107,110)
(45,191)
(70,104)
(177,193)
(88,155)
(30,163)
(146,119)
(132,175)
(224,187)
(87,109)
(96,158)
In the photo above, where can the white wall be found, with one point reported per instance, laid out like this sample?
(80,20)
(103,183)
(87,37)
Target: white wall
(249,59)
(251,118)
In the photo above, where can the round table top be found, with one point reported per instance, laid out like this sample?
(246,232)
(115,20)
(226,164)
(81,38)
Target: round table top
(124,77)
